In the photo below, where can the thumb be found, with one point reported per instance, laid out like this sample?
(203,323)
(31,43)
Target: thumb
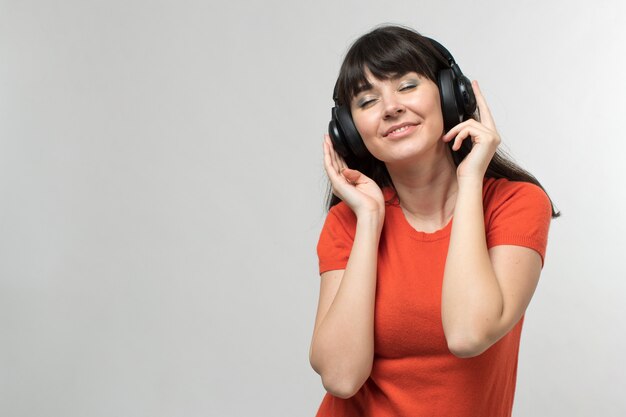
(351,175)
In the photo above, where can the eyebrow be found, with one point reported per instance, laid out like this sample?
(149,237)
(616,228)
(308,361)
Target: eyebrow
(361,88)
(368,86)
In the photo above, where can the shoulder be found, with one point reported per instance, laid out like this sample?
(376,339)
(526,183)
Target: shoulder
(516,213)
(502,193)
(342,214)
(336,238)
(340,224)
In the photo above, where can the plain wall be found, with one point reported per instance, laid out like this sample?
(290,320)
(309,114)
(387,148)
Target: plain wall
(161,196)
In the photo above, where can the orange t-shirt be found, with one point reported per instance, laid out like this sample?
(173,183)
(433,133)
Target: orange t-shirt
(414,374)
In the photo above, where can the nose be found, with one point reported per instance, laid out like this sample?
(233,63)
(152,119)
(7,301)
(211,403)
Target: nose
(393,108)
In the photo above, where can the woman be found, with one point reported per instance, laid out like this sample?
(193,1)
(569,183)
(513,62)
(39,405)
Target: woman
(433,244)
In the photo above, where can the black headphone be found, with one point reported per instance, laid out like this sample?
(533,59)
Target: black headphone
(458,103)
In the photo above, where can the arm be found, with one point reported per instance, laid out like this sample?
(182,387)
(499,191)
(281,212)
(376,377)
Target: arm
(342,348)
(484,293)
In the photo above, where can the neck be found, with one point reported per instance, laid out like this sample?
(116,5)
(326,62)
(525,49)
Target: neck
(427,188)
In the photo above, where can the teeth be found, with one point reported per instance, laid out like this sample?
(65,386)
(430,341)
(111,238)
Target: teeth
(400,129)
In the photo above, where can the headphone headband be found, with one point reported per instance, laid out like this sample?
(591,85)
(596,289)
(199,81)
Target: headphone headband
(442,50)
(448,57)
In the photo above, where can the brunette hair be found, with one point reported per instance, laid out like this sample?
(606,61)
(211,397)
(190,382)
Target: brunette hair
(390,51)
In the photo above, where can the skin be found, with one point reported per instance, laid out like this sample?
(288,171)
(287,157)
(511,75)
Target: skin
(485,291)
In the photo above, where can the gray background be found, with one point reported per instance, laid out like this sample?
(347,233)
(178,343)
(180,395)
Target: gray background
(161,190)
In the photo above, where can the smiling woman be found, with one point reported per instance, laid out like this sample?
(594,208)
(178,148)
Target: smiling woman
(433,244)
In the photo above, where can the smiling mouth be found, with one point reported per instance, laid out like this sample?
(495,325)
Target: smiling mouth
(400,130)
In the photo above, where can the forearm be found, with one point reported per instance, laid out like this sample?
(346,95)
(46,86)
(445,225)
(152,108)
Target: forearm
(472,301)
(343,345)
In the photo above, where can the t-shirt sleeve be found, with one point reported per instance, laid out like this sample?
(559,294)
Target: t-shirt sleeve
(520,216)
(336,238)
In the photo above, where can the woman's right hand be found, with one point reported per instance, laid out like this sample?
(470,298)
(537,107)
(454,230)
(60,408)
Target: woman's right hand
(358,191)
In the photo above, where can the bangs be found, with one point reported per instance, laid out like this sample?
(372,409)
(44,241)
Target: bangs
(386,54)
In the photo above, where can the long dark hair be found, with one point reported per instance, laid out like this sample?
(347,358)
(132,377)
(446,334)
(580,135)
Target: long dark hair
(390,51)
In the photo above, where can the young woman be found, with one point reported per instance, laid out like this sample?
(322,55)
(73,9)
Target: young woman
(433,244)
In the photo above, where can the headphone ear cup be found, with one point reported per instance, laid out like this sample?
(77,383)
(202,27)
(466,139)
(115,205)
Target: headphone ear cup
(351,137)
(466,96)
(336,134)
(452,114)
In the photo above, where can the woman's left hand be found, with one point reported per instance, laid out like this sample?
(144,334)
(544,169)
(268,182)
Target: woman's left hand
(484,136)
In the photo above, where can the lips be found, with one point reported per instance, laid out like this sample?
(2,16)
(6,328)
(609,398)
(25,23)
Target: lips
(399,128)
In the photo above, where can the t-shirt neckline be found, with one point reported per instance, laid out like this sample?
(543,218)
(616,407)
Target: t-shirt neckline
(400,218)
(442,233)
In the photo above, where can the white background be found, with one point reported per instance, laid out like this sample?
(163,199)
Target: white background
(161,196)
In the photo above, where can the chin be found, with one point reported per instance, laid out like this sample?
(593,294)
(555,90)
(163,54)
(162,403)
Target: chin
(414,154)
(408,151)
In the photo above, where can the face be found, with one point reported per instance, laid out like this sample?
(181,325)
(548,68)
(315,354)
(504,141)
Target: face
(399,118)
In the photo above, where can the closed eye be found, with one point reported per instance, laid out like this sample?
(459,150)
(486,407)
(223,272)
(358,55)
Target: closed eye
(365,102)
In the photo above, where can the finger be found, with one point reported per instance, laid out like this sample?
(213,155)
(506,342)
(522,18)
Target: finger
(333,154)
(337,162)
(485,114)
(456,129)
(473,132)
(458,140)
(333,165)
(351,176)
(327,163)
(331,169)
(450,134)
(340,163)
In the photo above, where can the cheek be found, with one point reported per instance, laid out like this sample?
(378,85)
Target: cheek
(436,115)
(366,126)
(439,122)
